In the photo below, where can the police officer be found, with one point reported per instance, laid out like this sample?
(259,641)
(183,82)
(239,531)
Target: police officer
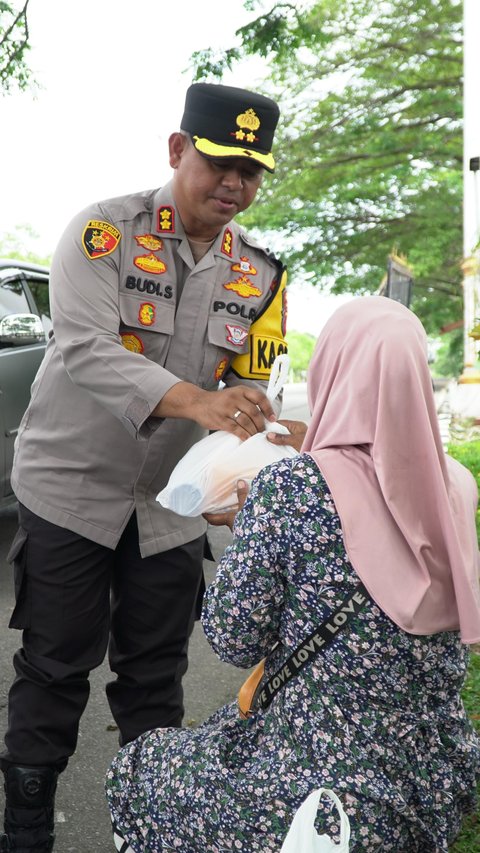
(155,297)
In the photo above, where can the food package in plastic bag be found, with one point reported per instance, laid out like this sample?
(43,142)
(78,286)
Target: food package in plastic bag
(302,836)
(205,479)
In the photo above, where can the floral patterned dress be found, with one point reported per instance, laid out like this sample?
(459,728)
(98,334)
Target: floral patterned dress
(377,716)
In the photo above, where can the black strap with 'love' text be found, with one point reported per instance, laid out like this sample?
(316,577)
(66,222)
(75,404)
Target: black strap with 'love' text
(316,642)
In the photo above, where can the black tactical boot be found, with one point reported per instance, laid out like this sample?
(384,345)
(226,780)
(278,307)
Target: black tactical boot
(29,801)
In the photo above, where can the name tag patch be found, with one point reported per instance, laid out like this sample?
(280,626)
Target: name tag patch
(148,285)
(235,309)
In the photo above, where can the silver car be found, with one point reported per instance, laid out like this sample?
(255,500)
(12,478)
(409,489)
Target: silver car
(24,328)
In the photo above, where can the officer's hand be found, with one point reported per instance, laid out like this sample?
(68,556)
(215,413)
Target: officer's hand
(297,430)
(240,410)
(227,518)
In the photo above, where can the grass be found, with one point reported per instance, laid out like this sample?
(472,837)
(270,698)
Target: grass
(469,839)
(468,452)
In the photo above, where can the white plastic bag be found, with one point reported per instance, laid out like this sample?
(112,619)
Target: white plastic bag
(205,479)
(302,836)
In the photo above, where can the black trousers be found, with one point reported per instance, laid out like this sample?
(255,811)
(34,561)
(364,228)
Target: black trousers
(75,598)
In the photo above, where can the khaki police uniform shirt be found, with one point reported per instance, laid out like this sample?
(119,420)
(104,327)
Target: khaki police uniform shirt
(133,315)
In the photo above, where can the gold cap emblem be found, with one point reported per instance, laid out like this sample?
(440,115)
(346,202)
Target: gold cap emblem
(251,122)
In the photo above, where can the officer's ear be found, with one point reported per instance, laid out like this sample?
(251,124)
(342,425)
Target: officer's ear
(177,145)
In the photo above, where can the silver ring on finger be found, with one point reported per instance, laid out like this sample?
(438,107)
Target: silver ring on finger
(237,414)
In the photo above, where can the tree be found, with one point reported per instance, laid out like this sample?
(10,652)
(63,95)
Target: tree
(300,350)
(14,45)
(369,157)
(12,245)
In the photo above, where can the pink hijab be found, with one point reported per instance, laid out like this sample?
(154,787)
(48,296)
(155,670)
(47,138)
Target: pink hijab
(407,509)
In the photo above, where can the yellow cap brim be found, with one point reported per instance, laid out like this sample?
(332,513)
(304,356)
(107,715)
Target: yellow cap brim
(211,149)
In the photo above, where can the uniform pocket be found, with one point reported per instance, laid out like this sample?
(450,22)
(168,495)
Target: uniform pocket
(225,340)
(229,334)
(17,556)
(147,313)
(146,326)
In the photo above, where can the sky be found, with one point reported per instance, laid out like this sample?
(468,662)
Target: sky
(112,79)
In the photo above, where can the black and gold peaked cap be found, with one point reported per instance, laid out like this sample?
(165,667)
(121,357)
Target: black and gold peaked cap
(224,121)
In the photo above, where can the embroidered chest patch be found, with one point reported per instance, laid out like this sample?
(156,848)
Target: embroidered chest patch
(149,241)
(132,342)
(243,287)
(146,314)
(150,263)
(236,335)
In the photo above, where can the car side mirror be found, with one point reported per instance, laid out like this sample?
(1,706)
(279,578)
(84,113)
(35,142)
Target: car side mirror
(21,329)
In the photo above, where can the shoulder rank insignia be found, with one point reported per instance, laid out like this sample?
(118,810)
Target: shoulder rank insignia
(227,242)
(100,239)
(166,219)
(149,241)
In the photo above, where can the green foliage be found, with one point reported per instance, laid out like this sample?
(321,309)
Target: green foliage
(13,245)
(369,151)
(14,71)
(471,692)
(300,349)
(449,358)
(468,453)
(469,839)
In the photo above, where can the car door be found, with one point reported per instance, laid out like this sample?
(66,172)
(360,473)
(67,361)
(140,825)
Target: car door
(21,292)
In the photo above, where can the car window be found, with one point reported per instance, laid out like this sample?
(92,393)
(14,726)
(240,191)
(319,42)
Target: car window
(39,291)
(13,299)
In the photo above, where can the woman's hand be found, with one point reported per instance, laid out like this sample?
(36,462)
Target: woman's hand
(217,519)
(297,430)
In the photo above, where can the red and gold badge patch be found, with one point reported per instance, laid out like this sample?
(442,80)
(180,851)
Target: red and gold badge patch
(220,369)
(132,343)
(100,239)
(146,314)
(236,335)
(150,263)
(243,287)
(227,242)
(149,241)
(166,219)
(244,265)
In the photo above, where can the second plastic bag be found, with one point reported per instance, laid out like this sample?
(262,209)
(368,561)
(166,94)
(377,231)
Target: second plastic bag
(302,836)
(205,479)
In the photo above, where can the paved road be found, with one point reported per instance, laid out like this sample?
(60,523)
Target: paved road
(81,815)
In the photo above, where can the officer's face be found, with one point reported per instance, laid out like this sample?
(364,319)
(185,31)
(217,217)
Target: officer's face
(209,193)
